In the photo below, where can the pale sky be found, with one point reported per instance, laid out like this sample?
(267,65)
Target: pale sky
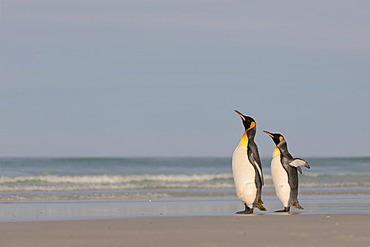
(162,78)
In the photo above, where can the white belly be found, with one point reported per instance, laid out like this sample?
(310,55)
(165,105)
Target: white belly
(244,176)
(280,179)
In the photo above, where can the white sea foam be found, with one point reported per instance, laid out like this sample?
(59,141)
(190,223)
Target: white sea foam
(109,179)
(105,182)
(162,181)
(334,175)
(105,179)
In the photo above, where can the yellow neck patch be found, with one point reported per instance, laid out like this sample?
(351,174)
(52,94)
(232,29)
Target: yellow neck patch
(244,140)
(276,153)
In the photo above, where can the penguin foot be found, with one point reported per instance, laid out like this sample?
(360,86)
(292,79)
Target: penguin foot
(260,206)
(298,206)
(246,211)
(285,210)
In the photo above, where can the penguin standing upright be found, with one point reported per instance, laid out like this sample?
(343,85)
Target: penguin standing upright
(284,173)
(247,170)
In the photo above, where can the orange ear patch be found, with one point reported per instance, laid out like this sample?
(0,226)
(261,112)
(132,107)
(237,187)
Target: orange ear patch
(281,138)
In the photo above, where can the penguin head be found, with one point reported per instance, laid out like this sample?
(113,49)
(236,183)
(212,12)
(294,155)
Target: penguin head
(248,122)
(276,137)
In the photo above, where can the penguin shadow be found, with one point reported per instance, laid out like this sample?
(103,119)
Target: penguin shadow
(248,215)
(286,213)
(282,213)
(271,213)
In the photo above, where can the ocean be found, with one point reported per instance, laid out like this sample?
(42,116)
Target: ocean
(90,188)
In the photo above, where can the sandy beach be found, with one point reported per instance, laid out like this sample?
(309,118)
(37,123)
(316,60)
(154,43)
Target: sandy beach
(260,230)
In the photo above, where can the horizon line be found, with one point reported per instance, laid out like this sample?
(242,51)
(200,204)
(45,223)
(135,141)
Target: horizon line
(155,157)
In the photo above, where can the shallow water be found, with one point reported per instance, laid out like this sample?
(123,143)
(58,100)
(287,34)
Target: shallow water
(92,188)
(159,207)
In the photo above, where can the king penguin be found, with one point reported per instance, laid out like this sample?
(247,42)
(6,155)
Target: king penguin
(247,170)
(284,173)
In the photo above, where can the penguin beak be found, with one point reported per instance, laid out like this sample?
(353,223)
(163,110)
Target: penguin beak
(241,115)
(269,134)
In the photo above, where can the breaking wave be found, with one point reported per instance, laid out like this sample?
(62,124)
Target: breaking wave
(105,182)
(174,181)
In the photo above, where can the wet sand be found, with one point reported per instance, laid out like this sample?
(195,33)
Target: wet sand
(239,230)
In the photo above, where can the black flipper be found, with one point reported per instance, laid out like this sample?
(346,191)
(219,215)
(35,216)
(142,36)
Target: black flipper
(255,160)
(299,162)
